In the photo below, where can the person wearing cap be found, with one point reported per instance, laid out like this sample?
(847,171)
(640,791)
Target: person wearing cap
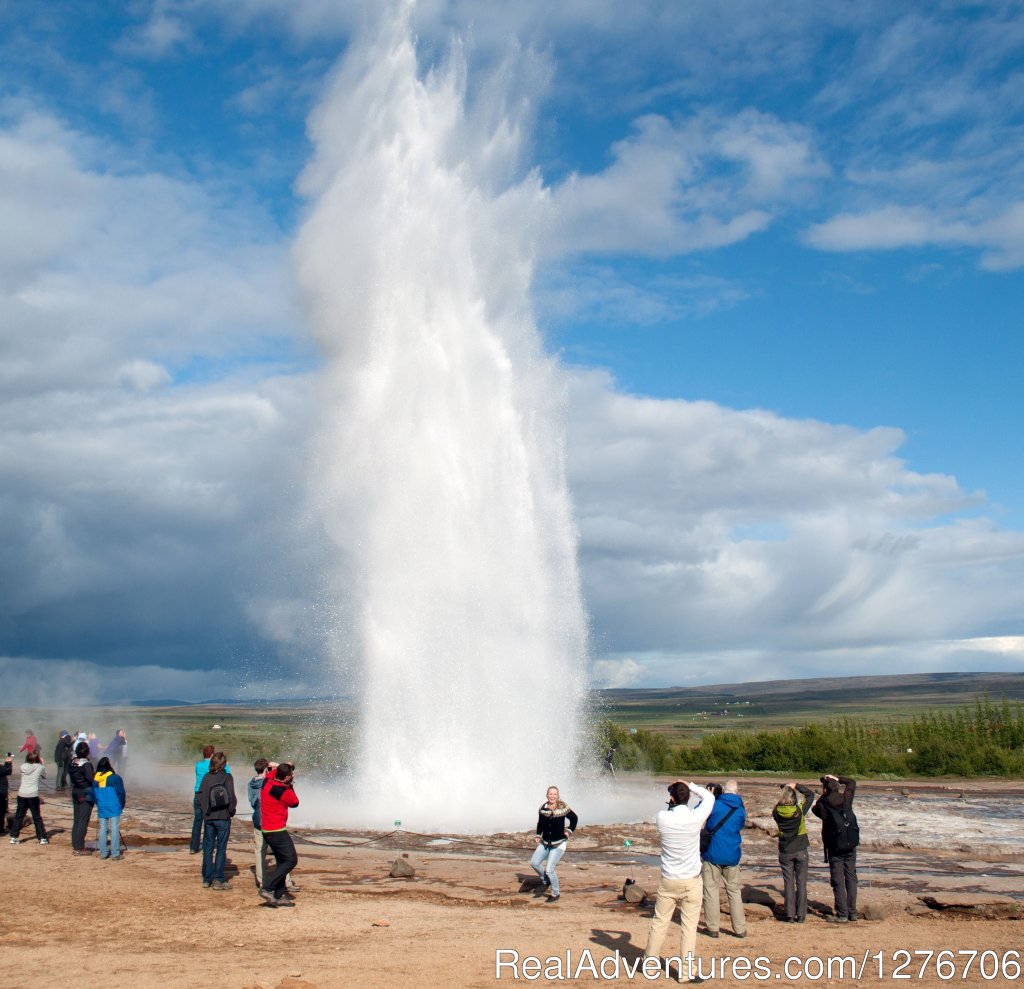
(679,828)
(82,773)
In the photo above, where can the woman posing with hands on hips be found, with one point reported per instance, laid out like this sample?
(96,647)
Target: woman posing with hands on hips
(552,840)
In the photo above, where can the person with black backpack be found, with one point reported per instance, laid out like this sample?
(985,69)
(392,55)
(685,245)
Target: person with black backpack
(840,834)
(720,849)
(217,802)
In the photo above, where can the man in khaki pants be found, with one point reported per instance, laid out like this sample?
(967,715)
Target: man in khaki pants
(722,860)
(681,885)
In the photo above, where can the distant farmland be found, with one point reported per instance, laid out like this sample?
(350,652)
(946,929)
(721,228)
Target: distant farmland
(690,713)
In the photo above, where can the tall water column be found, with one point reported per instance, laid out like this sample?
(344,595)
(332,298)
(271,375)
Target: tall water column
(439,471)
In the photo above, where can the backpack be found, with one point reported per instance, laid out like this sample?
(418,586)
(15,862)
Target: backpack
(219,798)
(842,833)
(706,834)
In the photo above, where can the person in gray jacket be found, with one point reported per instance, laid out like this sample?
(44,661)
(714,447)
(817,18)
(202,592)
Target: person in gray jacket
(218,802)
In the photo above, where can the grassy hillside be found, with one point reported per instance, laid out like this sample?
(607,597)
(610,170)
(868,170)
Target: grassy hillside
(690,713)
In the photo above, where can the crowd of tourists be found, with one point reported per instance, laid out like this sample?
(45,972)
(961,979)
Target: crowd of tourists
(700,833)
(96,785)
(701,847)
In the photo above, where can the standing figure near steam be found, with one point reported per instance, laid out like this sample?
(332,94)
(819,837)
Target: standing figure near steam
(552,840)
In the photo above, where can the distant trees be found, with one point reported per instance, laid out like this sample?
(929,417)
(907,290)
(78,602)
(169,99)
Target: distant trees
(986,739)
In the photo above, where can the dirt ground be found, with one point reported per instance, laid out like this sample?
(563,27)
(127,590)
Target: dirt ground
(146,923)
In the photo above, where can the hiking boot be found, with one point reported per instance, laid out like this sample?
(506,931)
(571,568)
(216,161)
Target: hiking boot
(268,896)
(836,919)
(711,933)
(284,901)
(853,917)
(738,934)
(553,897)
(220,885)
(207,884)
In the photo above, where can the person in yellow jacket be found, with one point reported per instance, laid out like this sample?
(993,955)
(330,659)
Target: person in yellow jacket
(790,815)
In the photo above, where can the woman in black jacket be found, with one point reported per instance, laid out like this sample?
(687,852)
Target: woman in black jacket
(82,773)
(552,840)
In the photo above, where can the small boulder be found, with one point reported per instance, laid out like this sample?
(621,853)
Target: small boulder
(381,922)
(402,869)
(634,893)
(873,911)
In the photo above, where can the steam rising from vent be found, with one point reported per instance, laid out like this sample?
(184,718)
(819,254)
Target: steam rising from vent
(440,465)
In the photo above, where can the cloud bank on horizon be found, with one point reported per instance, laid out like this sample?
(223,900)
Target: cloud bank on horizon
(782,265)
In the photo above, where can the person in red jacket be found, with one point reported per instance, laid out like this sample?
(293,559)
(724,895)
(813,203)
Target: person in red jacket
(277,796)
(31,742)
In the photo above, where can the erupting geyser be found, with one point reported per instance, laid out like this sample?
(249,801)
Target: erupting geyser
(440,472)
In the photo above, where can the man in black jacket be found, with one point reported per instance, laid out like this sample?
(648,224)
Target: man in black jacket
(5,771)
(82,773)
(61,760)
(840,834)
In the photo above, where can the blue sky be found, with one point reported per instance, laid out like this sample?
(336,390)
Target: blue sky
(782,265)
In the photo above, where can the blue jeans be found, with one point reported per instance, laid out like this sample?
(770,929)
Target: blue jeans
(114,826)
(215,845)
(552,855)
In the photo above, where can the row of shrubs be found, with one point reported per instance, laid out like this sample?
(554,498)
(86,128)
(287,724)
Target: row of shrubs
(984,740)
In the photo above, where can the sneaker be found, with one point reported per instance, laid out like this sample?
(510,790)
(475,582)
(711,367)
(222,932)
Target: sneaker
(15,841)
(853,918)
(44,841)
(552,897)
(836,919)
(103,858)
(268,896)
(194,851)
(284,901)
(220,884)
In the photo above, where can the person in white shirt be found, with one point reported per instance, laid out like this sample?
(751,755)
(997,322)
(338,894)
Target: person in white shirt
(681,885)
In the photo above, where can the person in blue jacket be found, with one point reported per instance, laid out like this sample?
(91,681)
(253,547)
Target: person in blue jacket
(720,861)
(110,798)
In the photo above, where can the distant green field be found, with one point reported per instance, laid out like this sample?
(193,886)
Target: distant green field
(688,714)
(313,735)
(318,736)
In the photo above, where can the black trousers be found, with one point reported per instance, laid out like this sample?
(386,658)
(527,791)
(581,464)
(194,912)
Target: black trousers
(62,774)
(843,875)
(25,805)
(196,842)
(82,809)
(3,816)
(285,859)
